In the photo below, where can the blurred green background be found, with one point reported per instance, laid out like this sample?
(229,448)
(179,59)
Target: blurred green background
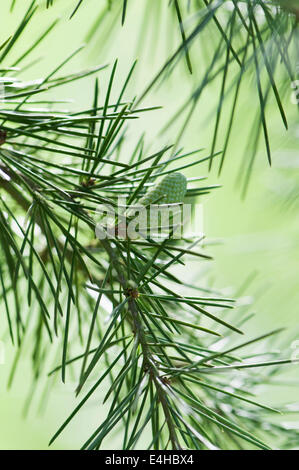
(254,237)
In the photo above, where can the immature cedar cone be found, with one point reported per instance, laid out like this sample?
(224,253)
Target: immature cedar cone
(2,137)
(170,190)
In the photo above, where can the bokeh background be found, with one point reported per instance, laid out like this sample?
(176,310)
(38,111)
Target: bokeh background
(254,240)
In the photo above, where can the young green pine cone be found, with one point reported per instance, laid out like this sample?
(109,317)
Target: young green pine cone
(170,190)
(290,6)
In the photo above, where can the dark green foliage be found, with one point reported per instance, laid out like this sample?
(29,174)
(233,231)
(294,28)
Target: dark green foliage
(171,358)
